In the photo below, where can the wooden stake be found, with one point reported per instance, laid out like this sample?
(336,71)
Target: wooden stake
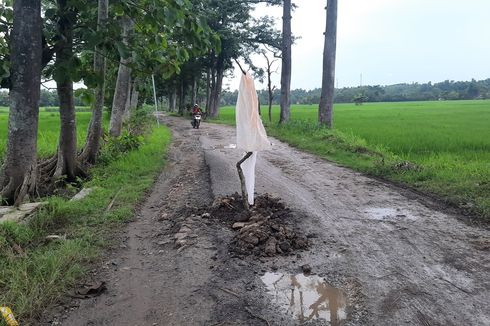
(242,179)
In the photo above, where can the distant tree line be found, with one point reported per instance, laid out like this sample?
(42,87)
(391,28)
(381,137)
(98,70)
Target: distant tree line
(446,90)
(47,98)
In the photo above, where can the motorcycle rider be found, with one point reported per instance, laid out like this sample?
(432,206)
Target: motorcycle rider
(196,110)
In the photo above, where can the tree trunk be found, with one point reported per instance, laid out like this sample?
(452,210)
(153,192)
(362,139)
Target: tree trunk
(198,98)
(286,62)
(173,99)
(216,87)
(269,83)
(181,96)
(216,94)
(194,90)
(270,99)
(94,133)
(66,164)
(211,90)
(208,86)
(122,84)
(67,148)
(134,95)
(325,110)
(127,113)
(19,172)
(269,86)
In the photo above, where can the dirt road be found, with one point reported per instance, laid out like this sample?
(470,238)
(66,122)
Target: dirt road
(379,255)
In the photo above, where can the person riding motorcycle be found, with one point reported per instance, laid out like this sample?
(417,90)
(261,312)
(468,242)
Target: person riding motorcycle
(196,111)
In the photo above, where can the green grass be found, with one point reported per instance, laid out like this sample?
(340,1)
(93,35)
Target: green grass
(447,142)
(38,274)
(48,132)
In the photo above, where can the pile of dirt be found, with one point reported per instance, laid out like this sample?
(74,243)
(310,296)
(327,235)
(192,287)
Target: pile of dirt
(264,230)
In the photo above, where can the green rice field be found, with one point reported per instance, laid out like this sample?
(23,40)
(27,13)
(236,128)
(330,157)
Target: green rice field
(447,144)
(48,133)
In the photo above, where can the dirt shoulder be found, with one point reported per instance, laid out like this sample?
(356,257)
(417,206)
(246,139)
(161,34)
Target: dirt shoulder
(377,255)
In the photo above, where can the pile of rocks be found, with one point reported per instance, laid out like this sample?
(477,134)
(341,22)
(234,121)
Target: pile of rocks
(264,236)
(265,230)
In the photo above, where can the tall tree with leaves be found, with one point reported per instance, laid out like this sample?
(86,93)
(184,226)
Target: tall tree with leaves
(152,48)
(325,111)
(19,172)
(240,35)
(95,130)
(64,68)
(286,62)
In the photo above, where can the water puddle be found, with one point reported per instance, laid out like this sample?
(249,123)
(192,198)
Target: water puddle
(380,213)
(307,297)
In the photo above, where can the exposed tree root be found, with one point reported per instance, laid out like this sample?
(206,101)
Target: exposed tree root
(14,192)
(55,173)
(90,151)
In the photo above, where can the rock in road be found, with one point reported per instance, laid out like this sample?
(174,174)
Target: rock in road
(397,257)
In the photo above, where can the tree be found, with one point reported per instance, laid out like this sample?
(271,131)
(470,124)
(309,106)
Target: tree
(123,83)
(240,35)
(133,102)
(65,66)
(328,78)
(94,132)
(168,33)
(19,172)
(286,62)
(165,33)
(270,89)
(359,99)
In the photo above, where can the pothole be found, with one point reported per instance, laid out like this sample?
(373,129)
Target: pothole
(307,298)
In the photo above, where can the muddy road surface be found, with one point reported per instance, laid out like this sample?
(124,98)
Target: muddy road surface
(378,254)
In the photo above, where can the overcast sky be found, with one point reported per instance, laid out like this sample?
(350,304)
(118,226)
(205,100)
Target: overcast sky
(390,41)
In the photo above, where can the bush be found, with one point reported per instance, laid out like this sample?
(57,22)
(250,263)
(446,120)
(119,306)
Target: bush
(139,121)
(115,147)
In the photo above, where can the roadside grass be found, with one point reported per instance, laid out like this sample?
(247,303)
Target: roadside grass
(442,148)
(48,133)
(34,271)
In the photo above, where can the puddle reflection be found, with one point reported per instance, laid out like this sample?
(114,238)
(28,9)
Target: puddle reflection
(307,297)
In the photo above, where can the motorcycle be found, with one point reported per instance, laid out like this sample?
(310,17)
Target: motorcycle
(196,121)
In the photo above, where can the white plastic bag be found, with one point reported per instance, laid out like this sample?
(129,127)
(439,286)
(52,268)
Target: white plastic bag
(250,132)
(248,168)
